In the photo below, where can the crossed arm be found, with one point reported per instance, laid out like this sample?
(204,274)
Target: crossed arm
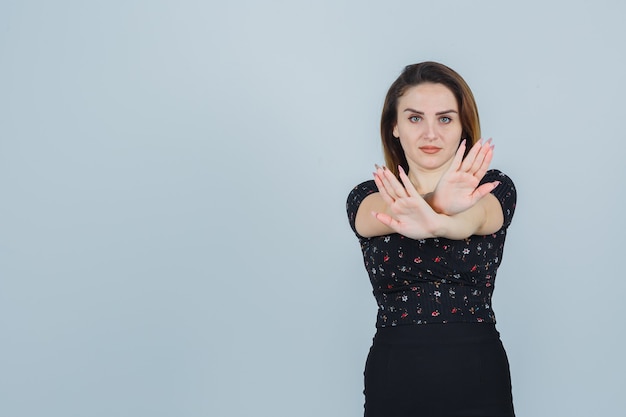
(456,209)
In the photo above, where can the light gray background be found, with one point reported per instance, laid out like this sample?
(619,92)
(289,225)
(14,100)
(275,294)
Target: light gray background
(173,238)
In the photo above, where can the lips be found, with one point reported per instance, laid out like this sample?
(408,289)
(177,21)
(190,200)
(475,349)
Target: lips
(429,149)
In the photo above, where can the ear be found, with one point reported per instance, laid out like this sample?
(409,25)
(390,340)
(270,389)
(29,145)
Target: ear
(395,132)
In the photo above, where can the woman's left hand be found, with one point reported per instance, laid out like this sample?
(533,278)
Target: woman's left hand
(458,189)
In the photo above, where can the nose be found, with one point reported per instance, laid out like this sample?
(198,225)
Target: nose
(430,130)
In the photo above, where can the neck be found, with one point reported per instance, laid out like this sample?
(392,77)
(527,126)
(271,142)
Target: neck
(425,180)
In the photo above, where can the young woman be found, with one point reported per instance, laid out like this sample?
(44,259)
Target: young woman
(432,226)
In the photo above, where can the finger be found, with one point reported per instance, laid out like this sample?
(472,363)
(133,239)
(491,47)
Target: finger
(386,184)
(458,157)
(385,219)
(480,157)
(382,190)
(394,184)
(482,170)
(408,185)
(468,161)
(483,190)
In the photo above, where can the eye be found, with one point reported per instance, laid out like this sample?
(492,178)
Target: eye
(415,119)
(445,119)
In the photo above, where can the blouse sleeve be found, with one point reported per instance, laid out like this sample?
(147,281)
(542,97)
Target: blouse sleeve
(505,193)
(356,197)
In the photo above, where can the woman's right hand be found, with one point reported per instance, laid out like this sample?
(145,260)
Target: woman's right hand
(407,211)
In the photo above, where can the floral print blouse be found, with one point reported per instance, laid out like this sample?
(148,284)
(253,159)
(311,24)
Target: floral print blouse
(435,280)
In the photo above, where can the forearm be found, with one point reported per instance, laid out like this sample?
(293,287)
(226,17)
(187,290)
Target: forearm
(400,208)
(483,218)
(462,225)
(367,225)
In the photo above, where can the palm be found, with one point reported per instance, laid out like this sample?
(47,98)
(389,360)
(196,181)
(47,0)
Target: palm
(411,218)
(458,189)
(408,213)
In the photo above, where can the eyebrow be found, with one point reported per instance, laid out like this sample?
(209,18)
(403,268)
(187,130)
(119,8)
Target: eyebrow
(436,114)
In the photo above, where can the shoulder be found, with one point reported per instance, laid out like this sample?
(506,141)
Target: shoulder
(358,193)
(505,192)
(356,197)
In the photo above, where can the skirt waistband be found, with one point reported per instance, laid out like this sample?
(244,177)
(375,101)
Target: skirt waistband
(437,334)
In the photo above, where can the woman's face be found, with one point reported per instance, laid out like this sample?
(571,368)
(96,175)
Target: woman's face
(428,127)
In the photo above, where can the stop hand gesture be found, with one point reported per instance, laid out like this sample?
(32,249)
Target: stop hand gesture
(411,215)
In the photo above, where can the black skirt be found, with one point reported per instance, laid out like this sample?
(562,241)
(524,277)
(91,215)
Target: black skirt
(452,369)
